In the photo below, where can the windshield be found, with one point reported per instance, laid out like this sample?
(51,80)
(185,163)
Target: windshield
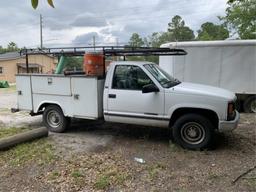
(161,76)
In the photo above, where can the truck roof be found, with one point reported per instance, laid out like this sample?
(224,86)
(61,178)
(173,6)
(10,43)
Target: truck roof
(131,62)
(210,43)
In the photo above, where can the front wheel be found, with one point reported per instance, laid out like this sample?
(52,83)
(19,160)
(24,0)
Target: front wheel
(54,119)
(193,131)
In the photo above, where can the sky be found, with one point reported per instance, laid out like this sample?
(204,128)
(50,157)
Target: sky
(75,22)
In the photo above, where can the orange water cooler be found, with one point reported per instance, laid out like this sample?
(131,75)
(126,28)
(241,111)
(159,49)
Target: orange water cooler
(94,64)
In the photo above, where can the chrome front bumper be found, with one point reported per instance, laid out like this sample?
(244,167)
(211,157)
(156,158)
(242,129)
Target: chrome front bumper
(229,125)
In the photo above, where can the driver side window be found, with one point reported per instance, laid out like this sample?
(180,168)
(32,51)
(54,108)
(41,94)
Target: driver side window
(130,77)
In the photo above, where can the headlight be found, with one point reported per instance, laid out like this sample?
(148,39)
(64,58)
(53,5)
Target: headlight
(231,111)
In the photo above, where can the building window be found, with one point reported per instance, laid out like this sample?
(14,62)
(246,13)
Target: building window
(1,70)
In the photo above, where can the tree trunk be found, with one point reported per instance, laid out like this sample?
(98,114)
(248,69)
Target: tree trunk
(11,141)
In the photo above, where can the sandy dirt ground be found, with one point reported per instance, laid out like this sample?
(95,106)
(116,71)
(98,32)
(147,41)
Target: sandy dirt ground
(8,100)
(92,149)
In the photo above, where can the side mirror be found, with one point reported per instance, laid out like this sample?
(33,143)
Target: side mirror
(150,88)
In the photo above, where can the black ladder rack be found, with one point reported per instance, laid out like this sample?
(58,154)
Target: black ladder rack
(105,50)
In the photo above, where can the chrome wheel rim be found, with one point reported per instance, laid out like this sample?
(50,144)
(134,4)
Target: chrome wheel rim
(53,119)
(192,133)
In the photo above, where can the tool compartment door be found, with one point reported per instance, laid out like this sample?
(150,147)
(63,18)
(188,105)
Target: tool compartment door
(51,85)
(85,97)
(24,96)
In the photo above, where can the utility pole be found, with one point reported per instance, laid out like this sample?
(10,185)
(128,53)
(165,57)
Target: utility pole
(41,31)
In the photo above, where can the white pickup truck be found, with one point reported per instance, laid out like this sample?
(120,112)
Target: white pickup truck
(134,93)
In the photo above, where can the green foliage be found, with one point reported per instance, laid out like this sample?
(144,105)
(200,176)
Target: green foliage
(50,2)
(35,3)
(241,18)
(10,48)
(179,31)
(136,40)
(210,31)
(159,38)
(74,63)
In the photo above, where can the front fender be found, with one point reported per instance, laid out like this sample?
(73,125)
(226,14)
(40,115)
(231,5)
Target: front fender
(191,105)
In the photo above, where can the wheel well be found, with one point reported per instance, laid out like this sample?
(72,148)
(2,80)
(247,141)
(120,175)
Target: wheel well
(44,105)
(211,115)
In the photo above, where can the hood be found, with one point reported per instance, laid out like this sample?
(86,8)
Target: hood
(204,90)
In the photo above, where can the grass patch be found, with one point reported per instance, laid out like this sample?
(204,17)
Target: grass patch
(213,176)
(95,171)
(5,110)
(102,182)
(174,147)
(251,182)
(39,151)
(10,89)
(121,178)
(154,170)
(113,177)
(6,132)
(76,174)
(54,175)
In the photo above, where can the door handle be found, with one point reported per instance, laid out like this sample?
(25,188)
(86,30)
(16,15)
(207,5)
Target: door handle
(76,96)
(112,96)
(49,81)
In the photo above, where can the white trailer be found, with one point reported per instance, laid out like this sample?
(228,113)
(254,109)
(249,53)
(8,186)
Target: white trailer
(226,64)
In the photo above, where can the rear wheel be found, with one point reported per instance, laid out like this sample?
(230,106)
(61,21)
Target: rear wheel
(54,119)
(193,131)
(250,104)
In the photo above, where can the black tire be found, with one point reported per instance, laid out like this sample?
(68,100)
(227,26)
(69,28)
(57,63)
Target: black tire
(250,104)
(54,119)
(193,131)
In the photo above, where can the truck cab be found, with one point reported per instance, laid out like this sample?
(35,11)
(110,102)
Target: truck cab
(144,94)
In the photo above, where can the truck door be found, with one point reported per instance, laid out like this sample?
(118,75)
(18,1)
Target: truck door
(127,103)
